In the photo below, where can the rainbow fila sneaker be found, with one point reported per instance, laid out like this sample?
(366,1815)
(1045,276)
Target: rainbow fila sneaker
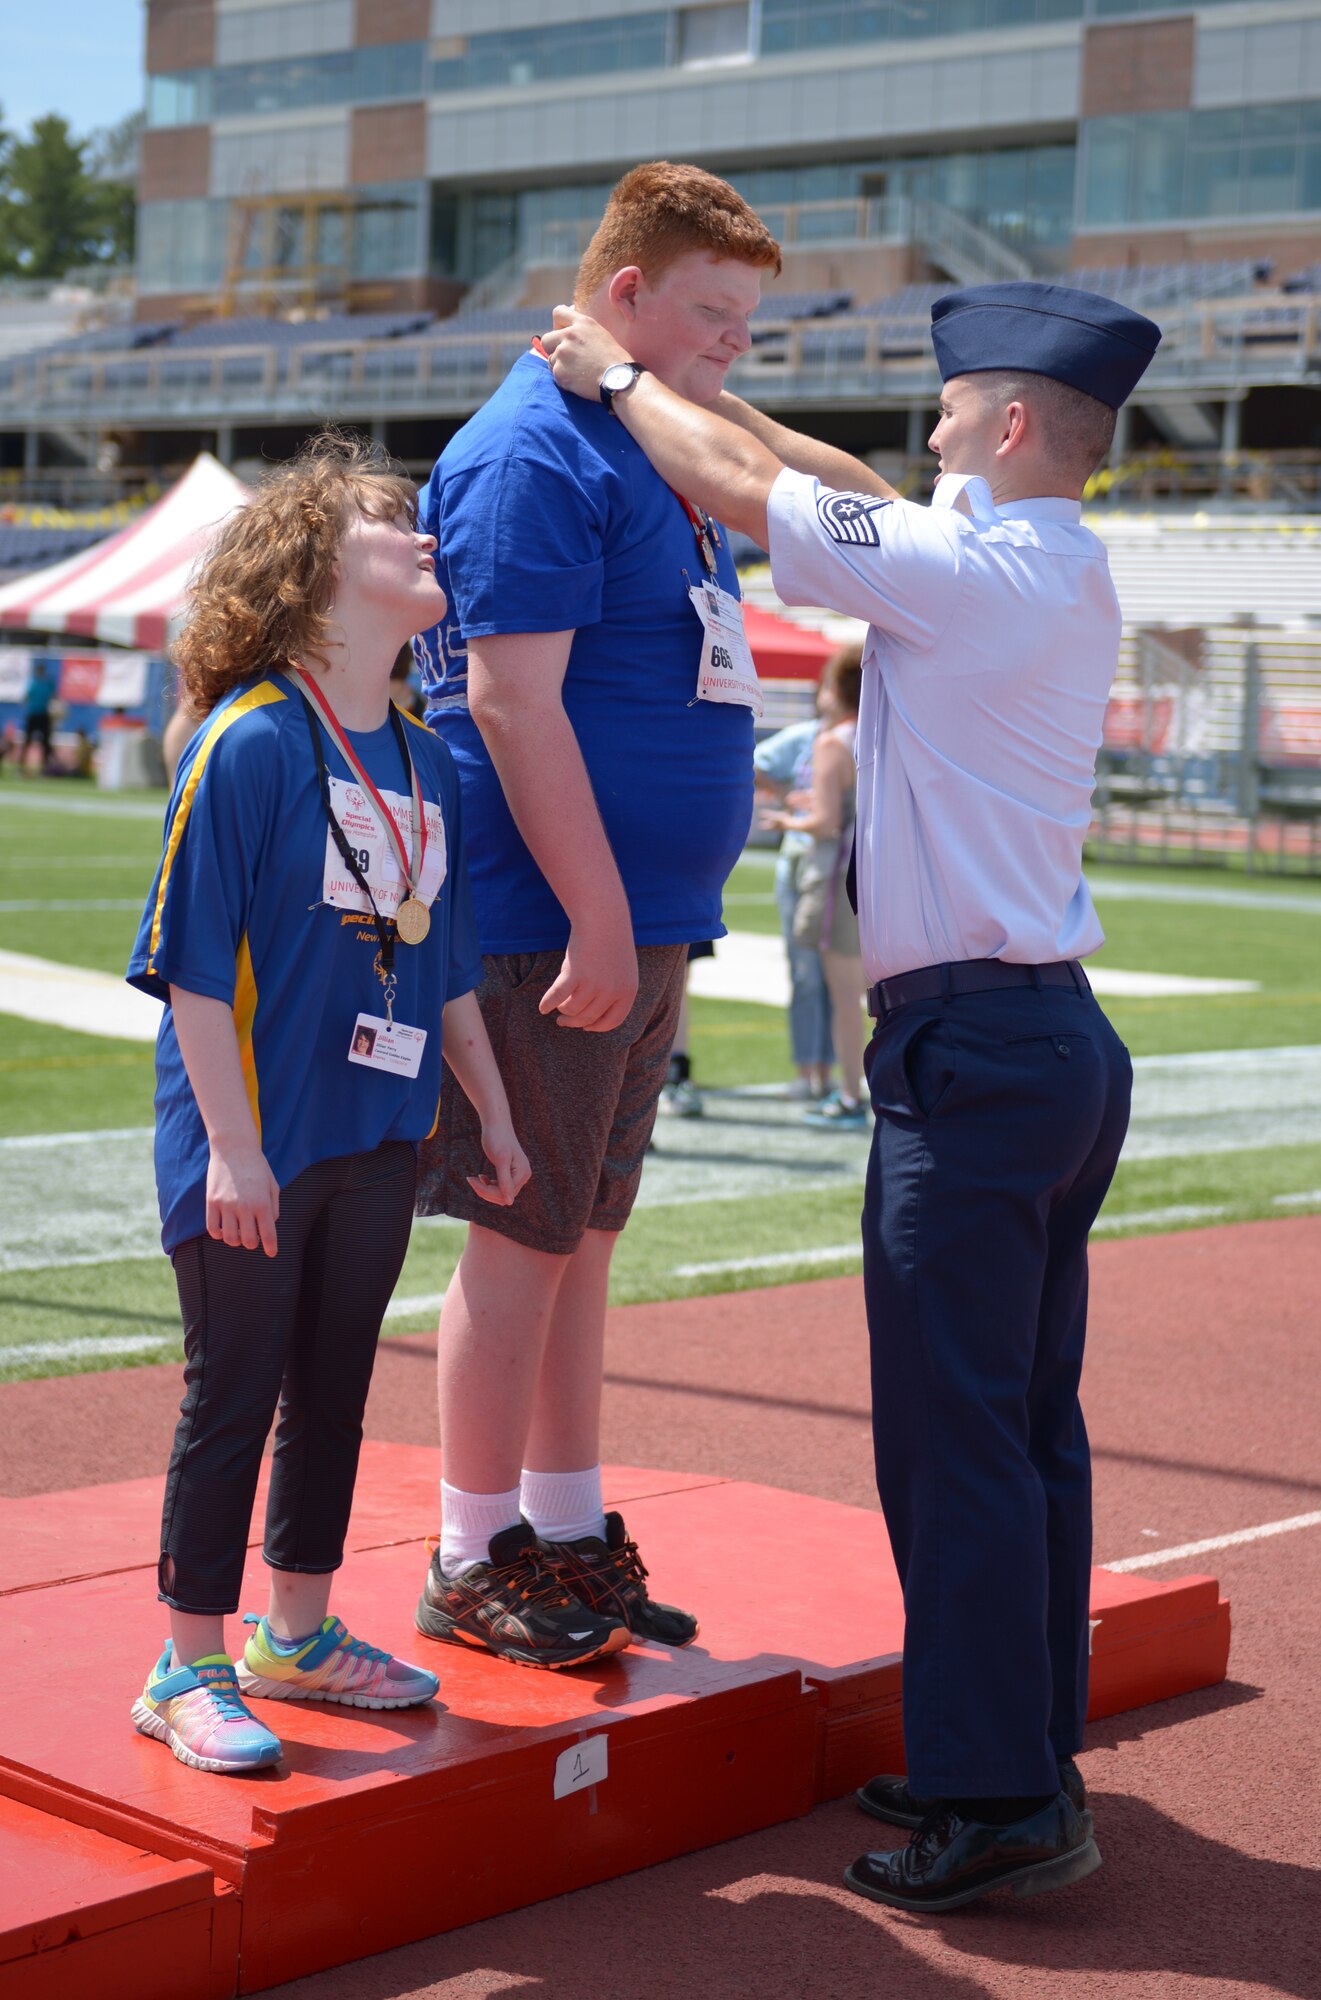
(198,1712)
(329,1666)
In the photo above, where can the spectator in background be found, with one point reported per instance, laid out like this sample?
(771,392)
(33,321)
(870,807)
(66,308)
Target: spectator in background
(681,1098)
(180,730)
(783,766)
(36,712)
(402,692)
(824,917)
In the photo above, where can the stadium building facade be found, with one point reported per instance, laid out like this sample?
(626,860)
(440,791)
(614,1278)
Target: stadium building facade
(394,153)
(361,209)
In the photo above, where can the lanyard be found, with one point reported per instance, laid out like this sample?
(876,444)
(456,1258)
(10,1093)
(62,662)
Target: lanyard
(706,531)
(385,935)
(409,867)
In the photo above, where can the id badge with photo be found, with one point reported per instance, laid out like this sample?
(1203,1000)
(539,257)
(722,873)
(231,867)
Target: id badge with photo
(375,852)
(393,1047)
(726,672)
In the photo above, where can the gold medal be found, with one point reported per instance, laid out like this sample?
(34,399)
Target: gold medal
(412,920)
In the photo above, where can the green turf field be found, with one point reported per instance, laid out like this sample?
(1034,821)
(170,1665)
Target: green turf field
(75,866)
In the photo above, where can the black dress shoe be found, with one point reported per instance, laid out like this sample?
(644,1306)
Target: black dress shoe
(889,1799)
(950,1861)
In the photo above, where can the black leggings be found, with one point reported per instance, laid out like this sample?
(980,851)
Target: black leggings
(298,1330)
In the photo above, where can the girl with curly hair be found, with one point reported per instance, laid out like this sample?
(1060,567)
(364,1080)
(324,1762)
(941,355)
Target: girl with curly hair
(311,934)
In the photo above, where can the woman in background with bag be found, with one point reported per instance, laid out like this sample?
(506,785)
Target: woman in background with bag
(824,917)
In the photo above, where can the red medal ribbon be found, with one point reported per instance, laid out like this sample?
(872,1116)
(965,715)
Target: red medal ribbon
(411,874)
(705,530)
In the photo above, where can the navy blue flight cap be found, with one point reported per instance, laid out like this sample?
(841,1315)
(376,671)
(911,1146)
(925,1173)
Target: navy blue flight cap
(1092,343)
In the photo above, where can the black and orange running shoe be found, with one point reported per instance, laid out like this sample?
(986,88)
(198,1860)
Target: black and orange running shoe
(517,1607)
(610,1577)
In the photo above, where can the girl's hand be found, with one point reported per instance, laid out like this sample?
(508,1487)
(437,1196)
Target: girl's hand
(242,1198)
(512,1171)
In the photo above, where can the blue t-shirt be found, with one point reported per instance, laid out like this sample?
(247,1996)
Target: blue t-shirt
(236,913)
(550,519)
(40,694)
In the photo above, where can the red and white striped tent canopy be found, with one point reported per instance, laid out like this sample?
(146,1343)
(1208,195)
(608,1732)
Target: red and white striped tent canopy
(129,589)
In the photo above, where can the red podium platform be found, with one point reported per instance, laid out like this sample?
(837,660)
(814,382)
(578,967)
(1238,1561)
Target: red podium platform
(381,1827)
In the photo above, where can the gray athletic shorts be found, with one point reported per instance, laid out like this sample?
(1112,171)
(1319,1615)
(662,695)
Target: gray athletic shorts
(583,1105)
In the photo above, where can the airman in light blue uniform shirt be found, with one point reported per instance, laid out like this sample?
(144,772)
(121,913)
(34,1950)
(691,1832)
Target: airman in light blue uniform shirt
(1000,1090)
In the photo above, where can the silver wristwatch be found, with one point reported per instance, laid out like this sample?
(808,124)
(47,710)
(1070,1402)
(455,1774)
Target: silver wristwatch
(620,375)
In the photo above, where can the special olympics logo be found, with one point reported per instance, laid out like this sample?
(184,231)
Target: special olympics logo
(355,801)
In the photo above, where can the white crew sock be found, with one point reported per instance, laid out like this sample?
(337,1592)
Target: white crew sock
(564,1506)
(467,1523)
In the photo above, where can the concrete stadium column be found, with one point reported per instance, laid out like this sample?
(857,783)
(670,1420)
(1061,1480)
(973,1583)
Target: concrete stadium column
(1231,433)
(919,430)
(1123,431)
(225,443)
(31,450)
(378,430)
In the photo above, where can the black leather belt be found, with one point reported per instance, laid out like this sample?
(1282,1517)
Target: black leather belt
(970,975)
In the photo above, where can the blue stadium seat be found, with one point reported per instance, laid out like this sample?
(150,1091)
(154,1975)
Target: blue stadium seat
(802,305)
(24,548)
(497,319)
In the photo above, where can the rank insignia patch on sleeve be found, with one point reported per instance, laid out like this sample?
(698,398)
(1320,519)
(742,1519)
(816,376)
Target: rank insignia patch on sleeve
(847,517)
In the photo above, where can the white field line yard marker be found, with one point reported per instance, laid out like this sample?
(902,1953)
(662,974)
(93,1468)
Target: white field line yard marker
(87,808)
(1233,1541)
(1152,1218)
(781,1260)
(425,1302)
(127,1343)
(76,1350)
(1305,1200)
(14,909)
(57,1141)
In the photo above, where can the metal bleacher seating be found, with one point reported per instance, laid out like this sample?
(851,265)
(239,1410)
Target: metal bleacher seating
(901,319)
(803,305)
(496,319)
(24,548)
(300,333)
(128,338)
(1149,286)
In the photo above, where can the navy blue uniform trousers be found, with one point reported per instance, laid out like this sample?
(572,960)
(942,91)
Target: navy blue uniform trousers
(999,1120)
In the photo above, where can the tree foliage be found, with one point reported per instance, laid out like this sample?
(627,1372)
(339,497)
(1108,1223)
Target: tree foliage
(65,201)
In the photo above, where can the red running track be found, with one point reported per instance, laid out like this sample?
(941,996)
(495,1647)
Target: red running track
(1203,1394)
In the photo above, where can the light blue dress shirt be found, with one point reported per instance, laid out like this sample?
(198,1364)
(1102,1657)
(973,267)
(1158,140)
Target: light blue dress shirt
(994,640)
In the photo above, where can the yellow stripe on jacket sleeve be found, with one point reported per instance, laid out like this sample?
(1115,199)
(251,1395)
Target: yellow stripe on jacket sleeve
(257,697)
(245,1011)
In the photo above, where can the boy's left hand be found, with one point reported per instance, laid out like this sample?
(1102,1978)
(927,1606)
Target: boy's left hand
(512,1172)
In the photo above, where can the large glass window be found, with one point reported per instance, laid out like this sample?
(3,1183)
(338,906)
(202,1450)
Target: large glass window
(542,55)
(296,28)
(789,26)
(389,230)
(1172,166)
(300,83)
(184,99)
(1017,191)
(181,245)
(1103,9)
(1024,194)
(713,34)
